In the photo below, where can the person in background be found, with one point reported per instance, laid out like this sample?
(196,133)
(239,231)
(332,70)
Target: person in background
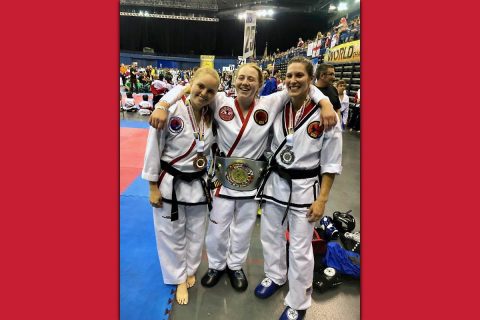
(146,107)
(158,88)
(270,84)
(132,85)
(129,104)
(355,119)
(341,85)
(300,43)
(325,76)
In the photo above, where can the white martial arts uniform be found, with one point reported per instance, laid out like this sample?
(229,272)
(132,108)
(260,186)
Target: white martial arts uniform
(312,147)
(130,104)
(234,212)
(345,104)
(146,108)
(180,242)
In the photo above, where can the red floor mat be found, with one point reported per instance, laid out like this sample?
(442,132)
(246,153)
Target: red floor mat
(132,151)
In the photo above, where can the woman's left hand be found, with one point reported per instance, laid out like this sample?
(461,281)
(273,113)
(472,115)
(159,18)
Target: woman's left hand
(316,210)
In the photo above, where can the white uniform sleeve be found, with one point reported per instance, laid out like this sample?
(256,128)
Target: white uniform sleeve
(344,103)
(275,101)
(316,94)
(173,95)
(153,152)
(331,153)
(218,100)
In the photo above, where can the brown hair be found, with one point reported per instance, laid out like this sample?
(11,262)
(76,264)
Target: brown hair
(306,63)
(321,69)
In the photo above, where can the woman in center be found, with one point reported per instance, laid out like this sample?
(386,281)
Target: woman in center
(243,126)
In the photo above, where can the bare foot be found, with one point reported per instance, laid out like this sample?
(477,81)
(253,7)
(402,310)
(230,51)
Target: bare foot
(191,281)
(182,293)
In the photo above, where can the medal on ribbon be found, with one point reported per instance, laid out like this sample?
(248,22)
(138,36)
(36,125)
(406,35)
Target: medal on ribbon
(287,156)
(200,161)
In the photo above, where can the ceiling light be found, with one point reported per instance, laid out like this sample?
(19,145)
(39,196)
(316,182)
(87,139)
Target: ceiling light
(342,6)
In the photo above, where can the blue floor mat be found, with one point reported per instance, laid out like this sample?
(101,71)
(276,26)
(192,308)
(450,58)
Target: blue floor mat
(134,124)
(143,295)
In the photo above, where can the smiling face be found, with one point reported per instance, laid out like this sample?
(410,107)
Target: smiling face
(203,91)
(247,82)
(297,80)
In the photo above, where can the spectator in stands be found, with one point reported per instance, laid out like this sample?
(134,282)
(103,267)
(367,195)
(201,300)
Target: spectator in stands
(334,40)
(325,76)
(341,85)
(328,39)
(342,30)
(270,84)
(354,31)
(300,43)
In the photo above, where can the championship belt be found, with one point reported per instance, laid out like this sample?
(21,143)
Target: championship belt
(241,174)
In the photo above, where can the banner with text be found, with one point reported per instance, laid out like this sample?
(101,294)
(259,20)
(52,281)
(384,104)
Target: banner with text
(249,34)
(207,61)
(345,53)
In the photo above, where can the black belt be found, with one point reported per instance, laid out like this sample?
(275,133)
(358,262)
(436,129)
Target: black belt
(289,175)
(185,176)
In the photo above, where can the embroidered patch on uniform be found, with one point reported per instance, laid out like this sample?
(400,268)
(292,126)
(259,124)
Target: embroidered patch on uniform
(261,117)
(226,113)
(176,125)
(315,130)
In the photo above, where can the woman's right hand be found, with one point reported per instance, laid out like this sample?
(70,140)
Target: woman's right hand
(158,118)
(155,197)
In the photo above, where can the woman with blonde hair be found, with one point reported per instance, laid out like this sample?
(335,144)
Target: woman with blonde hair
(175,166)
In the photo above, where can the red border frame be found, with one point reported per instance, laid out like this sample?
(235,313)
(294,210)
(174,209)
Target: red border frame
(59,228)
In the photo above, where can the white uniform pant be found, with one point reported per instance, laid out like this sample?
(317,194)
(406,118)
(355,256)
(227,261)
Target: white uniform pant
(180,242)
(229,231)
(301,262)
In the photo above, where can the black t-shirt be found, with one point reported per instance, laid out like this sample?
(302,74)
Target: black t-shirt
(332,94)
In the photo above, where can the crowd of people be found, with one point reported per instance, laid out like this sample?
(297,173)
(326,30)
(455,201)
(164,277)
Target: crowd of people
(158,82)
(336,35)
